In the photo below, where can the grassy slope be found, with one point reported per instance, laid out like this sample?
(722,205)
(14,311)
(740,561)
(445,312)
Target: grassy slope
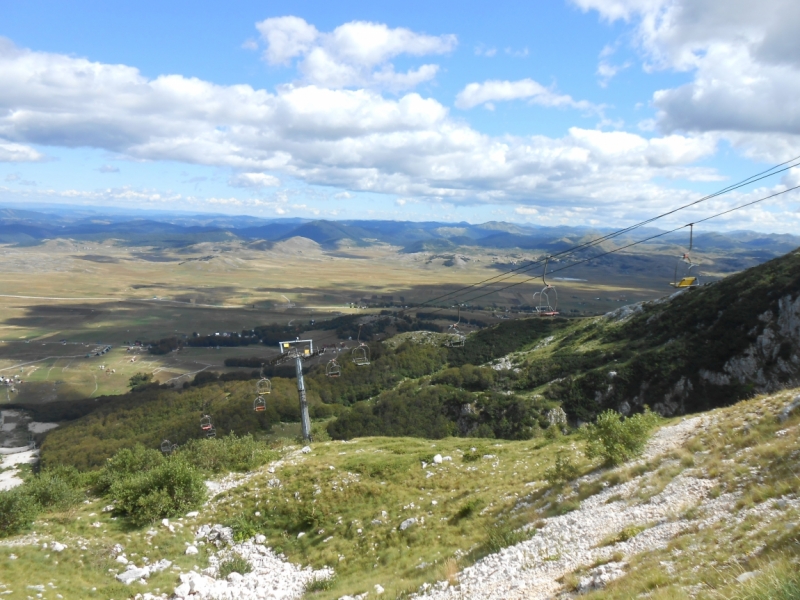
(746,452)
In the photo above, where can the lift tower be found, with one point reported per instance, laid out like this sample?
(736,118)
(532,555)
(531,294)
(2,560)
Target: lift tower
(300,350)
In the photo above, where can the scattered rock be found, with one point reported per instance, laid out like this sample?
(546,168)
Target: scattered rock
(306,449)
(437,459)
(191,550)
(133,574)
(378,589)
(786,412)
(108,508)
(601,576)
(57,547)
(122,560)
(192,514)
(407,523)
(746,576)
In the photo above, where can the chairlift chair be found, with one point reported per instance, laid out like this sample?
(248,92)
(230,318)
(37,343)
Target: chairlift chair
(457,339)
(264,386)
(688,280)
(260,404)
(166,447)
(360,353)
(211,433)
(332,369)
(545,302)
(205,423)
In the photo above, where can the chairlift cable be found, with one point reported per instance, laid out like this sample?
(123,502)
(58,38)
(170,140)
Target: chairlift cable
(663,233)
(522,268)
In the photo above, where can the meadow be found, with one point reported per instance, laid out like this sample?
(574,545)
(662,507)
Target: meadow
(62,299)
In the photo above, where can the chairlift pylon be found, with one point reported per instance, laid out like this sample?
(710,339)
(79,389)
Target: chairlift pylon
(332,369)
(360,353)
(545,302)
(687,280)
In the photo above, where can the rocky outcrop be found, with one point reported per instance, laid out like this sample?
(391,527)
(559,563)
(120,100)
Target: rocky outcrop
(772,361)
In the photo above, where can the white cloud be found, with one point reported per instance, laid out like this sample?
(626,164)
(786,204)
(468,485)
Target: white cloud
(483,50)
(355,54)
(10,152)
(108,169)
(744,57)
(409,147)
(254,180)
(475,94)
(607,71)
(517,53)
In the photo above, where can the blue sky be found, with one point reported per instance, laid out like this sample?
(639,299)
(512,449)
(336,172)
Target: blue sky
(580,112)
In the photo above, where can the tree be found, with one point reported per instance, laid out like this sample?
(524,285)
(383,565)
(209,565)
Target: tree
(139,380)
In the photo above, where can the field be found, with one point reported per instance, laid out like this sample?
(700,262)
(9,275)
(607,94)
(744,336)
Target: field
(63,299)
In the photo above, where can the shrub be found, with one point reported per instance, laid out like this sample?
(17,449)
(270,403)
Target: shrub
(229,453)
(243,527)
(54,489)
(562,471)
(616,440)
(167,490)
(139,379)
(320,585)
(235,564)
(126,463)
(469,508)
(17,511)
(502,535)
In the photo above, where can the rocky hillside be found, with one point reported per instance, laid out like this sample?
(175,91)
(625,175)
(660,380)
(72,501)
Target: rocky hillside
(697,349)
(710,510)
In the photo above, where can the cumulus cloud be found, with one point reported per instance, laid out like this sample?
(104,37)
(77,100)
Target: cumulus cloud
(356,140)
(492,91)
(10,152)
(254,180)
(354,54)
(745,61)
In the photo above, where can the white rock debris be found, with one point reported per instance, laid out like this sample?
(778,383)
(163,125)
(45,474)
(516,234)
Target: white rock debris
(601,576)
(272,576)
(530,570)
(135,573)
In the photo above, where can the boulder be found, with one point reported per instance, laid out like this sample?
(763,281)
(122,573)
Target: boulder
(407,523)
(133,574)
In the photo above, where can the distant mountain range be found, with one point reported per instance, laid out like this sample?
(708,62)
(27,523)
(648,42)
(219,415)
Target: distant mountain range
(176,230)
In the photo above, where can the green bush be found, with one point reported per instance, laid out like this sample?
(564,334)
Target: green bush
(126,463)
(56,489)
(229,453)
(168,490)
(562,471)
(502,535)
(17,511)
(616,440)
(235,564)
(244,528)
(139,380)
